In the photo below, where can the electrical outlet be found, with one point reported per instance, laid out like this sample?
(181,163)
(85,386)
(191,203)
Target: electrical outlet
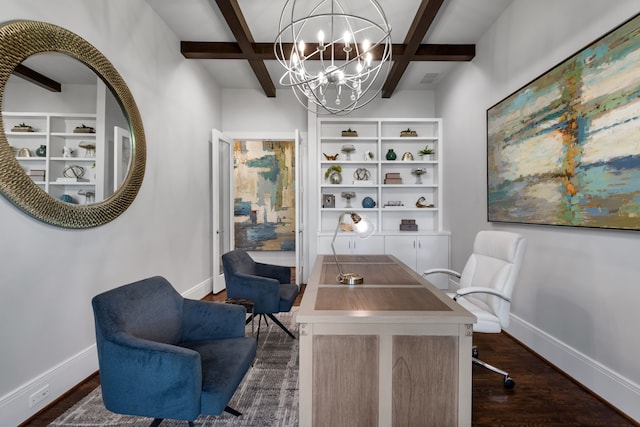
(39,395)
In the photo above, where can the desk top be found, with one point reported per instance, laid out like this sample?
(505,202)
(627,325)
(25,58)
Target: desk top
(391,293)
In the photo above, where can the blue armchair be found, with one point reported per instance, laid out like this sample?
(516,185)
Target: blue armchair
(268,286)
(165,356)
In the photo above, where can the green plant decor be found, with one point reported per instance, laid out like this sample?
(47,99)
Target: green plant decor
(332,168)
(426,150)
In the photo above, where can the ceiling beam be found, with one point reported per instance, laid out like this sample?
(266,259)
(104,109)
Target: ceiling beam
(265,52)
(245,48)
(240,29)
(36,78)
(425,15)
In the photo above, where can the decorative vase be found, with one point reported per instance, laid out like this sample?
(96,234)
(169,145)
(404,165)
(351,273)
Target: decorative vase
(368,203)
(41,151)
(391,155)
(335,177)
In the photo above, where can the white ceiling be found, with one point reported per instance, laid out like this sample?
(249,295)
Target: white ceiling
(458,22)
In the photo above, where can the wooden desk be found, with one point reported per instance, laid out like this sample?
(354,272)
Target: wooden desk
(394,351)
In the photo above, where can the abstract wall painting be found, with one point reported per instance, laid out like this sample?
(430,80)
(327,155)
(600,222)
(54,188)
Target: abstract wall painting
(565,148)
(264,195)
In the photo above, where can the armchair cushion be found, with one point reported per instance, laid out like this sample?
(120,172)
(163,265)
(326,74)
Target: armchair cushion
(223,368)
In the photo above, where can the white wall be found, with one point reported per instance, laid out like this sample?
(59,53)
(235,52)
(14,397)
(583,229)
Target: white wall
(576,301)
(49,274)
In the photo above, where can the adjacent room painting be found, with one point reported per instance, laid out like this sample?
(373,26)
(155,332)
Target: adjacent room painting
(264,195)
(565,149)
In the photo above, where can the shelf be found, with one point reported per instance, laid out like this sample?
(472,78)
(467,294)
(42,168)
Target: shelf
(74,135)
(72,184)
(25,134)
(410,138)
(73,159)
(54,130)
(348,138)
(378,136)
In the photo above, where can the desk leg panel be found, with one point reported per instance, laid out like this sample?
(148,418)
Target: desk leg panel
(345,380)
(425,380)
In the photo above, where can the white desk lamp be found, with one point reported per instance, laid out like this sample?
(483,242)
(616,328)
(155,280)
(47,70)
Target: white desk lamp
(363,227)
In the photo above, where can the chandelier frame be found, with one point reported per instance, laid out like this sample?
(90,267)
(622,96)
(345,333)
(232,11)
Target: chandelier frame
(339,70)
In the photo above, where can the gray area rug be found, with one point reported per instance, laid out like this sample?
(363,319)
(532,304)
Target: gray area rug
(267,397)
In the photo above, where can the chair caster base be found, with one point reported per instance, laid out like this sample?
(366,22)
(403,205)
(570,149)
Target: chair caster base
(509,383)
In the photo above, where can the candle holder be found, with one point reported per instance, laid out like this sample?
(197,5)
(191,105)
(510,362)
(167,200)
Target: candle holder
(348,195)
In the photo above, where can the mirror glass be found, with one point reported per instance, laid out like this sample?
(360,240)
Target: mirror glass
(56,101)
(72,155)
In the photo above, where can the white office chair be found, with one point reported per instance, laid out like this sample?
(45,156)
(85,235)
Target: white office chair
(487,282)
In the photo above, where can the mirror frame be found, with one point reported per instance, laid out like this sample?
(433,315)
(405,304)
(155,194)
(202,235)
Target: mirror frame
(20,39)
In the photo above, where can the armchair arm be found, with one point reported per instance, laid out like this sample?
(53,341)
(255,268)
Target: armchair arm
(281,273)
(263,291)
(441,270)
(480,290)
(206,320)
(132,384)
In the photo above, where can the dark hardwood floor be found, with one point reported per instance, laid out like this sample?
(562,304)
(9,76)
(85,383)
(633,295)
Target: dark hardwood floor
(543,396)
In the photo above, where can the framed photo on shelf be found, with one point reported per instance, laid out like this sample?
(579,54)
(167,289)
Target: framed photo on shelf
(328,201)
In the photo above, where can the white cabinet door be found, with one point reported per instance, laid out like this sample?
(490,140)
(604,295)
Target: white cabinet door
(403,248)
(370,246)
(433,252)
(342,245)
(348,245)
(421,253)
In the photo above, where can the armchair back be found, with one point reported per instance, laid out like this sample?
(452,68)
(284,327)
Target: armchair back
(150,309)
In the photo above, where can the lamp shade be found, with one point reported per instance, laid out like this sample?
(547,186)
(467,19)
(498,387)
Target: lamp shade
(361,225)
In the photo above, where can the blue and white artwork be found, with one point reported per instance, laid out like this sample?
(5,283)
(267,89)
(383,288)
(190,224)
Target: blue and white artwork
(565,149)
(264,195)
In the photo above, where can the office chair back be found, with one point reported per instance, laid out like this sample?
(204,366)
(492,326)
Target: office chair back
(494,263)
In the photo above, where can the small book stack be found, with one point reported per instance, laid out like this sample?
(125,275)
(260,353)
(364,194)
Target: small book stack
(392,178)
(408,225)
(37,175)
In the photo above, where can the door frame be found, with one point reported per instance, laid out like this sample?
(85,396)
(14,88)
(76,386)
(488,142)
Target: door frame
(220,190)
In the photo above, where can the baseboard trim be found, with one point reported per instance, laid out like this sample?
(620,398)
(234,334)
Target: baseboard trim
(615,389)
(200,290)
(14,406)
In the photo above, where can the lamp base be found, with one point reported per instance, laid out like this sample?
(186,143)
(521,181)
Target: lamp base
(350,279)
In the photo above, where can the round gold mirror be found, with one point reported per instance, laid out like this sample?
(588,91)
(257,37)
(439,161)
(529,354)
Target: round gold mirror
(20,40)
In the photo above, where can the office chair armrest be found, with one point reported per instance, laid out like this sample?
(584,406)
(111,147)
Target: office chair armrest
(441,270)
(480,290)
(207,320)
(281,273)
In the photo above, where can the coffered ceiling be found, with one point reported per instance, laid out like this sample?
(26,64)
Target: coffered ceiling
(233,39)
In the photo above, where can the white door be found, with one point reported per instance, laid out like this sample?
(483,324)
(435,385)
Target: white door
(121,155)
(222,203)
(299,210)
